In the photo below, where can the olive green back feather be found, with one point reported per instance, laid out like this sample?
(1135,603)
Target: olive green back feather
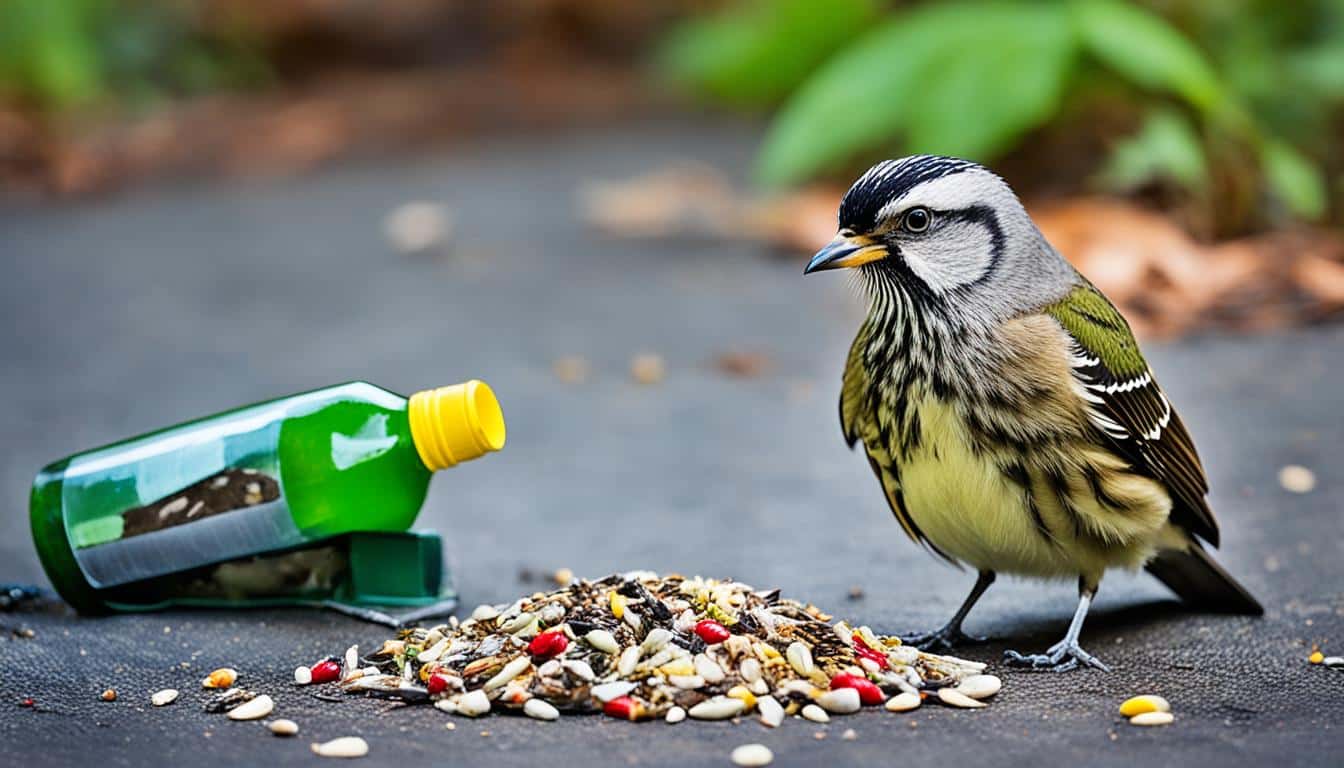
(1098,326)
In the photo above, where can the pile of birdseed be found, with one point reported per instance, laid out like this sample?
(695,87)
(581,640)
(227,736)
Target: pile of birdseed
(638,646)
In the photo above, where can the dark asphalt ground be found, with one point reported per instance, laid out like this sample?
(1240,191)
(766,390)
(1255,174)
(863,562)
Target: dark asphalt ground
(129,314)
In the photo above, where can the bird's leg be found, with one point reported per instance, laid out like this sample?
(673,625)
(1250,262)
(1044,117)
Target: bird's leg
(1066,654)
(950,635)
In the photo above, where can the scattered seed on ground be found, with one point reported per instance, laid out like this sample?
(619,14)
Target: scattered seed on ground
(283,727)
(163,698)
(903,702)
(1152,718)
(1297,479)
(647,368)
(954,698)
(753,755)
(1316,657)
(816,714)
(1138,705)
(224,677)
(255,709)
(109,695)
(346,746)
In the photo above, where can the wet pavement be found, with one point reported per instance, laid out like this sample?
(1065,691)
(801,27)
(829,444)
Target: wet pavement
(129,314)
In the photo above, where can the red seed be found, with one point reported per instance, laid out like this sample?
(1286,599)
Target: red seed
(623,708)
(865,651)
(325,671)
(437,684)
(711,631)
(27,703)
(869,693)
(548,644)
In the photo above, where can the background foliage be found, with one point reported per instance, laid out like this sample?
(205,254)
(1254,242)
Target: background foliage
(1236,105)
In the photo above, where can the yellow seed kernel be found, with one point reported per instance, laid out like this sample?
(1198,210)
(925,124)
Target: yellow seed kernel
(220,678)
(1145,703)
(769,651)
(748,698)
(617,601)
(1316,657)
(683,667)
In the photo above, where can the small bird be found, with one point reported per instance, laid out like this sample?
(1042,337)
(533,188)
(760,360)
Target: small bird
(1004,404)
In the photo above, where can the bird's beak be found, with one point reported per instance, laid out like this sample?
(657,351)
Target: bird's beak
(844,252)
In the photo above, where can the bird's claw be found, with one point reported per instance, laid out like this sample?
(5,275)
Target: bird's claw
(944,639)
(1060,657)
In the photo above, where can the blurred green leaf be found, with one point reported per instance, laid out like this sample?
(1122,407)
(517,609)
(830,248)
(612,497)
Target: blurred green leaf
(1293,179)
(1166,148)
(1143,47)
(756,53)
(963,78)
(48,52)
(1320,68)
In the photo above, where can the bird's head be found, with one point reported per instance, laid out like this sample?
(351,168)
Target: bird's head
(939,227)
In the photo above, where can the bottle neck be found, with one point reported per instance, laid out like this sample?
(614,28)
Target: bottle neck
(450,425)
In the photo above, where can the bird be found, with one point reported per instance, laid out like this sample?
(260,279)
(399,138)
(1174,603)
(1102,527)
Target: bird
(1004,405)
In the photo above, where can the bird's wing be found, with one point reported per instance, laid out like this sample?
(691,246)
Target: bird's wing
(859,422)
(1128,407)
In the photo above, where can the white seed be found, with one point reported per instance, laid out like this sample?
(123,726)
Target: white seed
(346,746)
(816,714)
(253,710)
(351,662)
(686,621)
(580,669)
(903,702)
(980,686)
(656,639)
(686,682)
(446,705)
(753,755)
(283,727)
(707,668)
(540,710)
(163,698)
(750,670)
(772,712)
(433,652)
(675,715)
(473,704)
(841,701)
(1152,718)
(511,670)
(1297,479)
(519,622)
(954,698)
(485,613)
(717,708)
(632,619)
(303,675)
(800,658)
(1333,661)
(659,659)
(549,668)
(602,640)
(849,734)
(800,687)
(760,687)
(625,665)
(613,690)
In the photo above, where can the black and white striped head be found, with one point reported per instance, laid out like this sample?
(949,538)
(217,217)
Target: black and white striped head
(945,230)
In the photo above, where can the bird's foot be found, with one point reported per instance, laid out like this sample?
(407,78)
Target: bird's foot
(944,639)
(1060,657)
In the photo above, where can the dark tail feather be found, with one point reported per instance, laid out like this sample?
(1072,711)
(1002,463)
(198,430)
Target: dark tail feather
(1199,581)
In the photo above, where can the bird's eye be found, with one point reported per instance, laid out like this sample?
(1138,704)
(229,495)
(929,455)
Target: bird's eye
(916,220)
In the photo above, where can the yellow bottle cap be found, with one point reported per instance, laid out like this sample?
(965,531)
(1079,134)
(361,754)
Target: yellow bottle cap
(455,424)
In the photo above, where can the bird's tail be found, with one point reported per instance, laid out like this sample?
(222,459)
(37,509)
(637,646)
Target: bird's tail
(1194,576)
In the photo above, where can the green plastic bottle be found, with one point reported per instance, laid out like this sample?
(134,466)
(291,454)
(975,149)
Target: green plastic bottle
(268,478)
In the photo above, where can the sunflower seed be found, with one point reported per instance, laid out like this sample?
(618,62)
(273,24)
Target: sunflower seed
(749,670)
(686,682)
(816,714)
(625,665)
(603,641)
(903,702)
(800,658)
(1152,718)
(473,704)
(608,691)
(346,746)
(841,701)
(980,686)
(717,708)
(707,668)
(579,669)
(540,710)
(351,662)
(303,675)
(255,709)
(675,715)
(772,712)
(283,727)
(485,613)
(954,698)
(655,640)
